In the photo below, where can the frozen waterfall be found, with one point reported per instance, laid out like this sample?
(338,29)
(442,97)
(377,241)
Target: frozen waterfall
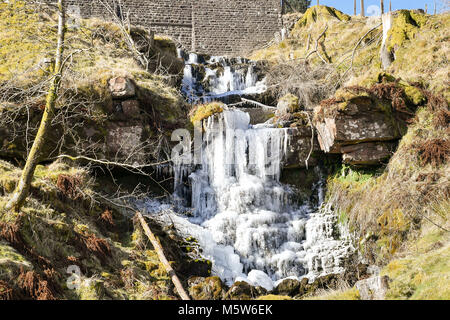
(245,219)
(217,78)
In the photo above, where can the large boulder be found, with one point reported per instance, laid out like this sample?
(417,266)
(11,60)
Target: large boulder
(362,127)
(356,120)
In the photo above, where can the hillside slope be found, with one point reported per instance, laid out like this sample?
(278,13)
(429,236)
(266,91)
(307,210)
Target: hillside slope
(397,210)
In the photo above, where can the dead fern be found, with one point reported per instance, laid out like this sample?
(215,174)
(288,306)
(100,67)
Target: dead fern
(329,102)
(68,186)
(106,219)
(34,286)
(438,105)
(92,244)
(6,292)
(435,152)
(391,92)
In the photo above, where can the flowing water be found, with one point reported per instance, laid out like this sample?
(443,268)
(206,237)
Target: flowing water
(247,222)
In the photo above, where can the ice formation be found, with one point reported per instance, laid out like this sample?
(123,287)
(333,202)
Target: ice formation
(218,78)
(244,219)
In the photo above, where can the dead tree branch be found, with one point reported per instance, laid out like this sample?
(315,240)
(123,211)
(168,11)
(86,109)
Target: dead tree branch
(316,48)
(159,250)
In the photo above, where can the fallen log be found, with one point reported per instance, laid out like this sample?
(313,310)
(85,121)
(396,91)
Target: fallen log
(159,250)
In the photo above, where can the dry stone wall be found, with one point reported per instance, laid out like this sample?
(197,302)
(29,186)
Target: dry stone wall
(219,27)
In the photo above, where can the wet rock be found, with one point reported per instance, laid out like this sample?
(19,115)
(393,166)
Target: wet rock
(210,288)
(370,153)
(122,88)
(241,290)
(196,267)
(301,145)
(374,288)
(330,281)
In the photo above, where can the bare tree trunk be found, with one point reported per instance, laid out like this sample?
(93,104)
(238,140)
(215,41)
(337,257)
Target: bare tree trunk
(382,6)
(426,8)
(354,7)
(390,5)
(23,187)
(162,257)
(362,9)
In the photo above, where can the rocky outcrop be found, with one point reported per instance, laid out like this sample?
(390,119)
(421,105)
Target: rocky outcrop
(354,121)
(362,129)
(118,124)
(370,153)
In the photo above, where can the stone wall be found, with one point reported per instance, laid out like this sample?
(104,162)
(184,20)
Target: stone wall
(219,27)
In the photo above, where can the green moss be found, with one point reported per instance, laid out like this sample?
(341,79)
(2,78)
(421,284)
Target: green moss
(314,13)
(210,288)
(204,111)
(91,289)
(20,26)
(414,95)
(420,277)
(8,253)
(405,26)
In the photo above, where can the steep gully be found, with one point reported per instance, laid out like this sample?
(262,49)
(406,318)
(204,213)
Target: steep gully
(248,224)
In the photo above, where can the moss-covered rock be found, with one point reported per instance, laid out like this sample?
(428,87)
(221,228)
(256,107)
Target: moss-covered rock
(321,12)
(204,111)
(241,290)
(288,287)
(210,288)
(405,26)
